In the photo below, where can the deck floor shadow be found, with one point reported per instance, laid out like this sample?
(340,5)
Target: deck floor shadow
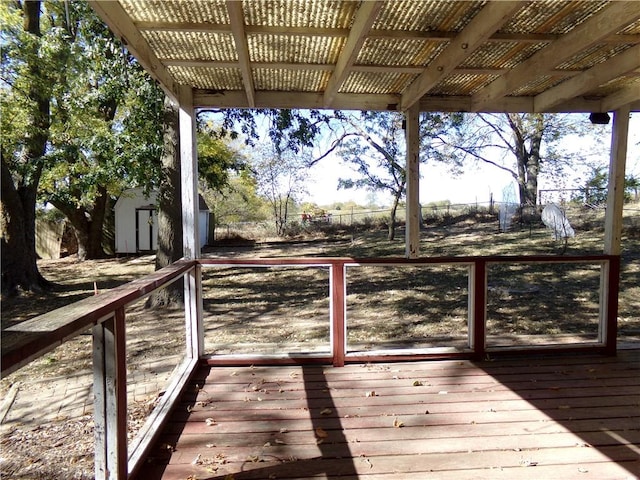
(526,418)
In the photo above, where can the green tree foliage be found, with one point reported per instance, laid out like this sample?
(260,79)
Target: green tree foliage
(594,191)
(102,129)
(31,45)
(105,131)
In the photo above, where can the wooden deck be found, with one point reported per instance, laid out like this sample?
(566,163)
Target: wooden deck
(534,418)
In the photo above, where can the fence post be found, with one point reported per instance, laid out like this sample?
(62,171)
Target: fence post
(110,398)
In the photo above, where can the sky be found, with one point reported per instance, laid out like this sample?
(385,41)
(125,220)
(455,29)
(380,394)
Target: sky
(437,183)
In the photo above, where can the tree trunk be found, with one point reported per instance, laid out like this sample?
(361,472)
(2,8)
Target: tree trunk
(170,246)
(528,161)
(17,220)
(392,220)
(18,199)
(87,225)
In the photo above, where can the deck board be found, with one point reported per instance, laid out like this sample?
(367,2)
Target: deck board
(546,417)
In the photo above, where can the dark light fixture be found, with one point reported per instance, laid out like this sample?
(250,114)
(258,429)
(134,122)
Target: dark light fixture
(599,118)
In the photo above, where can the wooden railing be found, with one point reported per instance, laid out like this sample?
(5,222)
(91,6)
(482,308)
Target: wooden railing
(105,314)
(477,306)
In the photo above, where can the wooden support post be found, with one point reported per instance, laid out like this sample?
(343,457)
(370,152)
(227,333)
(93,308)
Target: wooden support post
(110,398)
(610,276)
(190,227)
(189,174)
(615,191)
(338,311)
(412,221)
(478,308)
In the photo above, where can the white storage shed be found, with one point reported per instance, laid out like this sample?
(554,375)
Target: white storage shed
(136,222)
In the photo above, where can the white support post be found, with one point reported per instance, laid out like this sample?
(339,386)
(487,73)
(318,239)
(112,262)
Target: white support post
(610,275)
(412,222)
(615,191)
(190,227)
(189,173)
(110,398)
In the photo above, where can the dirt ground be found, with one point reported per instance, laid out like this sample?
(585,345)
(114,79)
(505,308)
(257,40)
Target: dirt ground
(246,308)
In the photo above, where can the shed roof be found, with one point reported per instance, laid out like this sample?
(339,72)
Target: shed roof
(542,56)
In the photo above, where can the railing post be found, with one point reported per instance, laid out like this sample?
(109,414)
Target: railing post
(193,312)
(338,303)
(609,290)
(478,307)
(110,397)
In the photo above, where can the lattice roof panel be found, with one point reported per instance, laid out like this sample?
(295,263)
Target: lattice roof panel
(547,55)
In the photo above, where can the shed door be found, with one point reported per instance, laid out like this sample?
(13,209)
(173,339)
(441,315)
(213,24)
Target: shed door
(145,231)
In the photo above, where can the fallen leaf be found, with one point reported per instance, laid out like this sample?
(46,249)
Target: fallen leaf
(196,460)
(321,433)
(234,374)
(583,470)
(397,423)
(210,422)
(277,441)
(284,430)
(417,383)
(268,444)
(326,411)
(442,392)
(372,393)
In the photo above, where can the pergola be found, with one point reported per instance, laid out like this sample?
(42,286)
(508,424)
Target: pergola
(406,55)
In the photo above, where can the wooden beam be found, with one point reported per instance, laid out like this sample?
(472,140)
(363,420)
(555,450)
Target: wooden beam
(120,23)
(625,96)
(477,32)
(412,223)
(432,35)
(328,67)
(588,80)
(606,22)
(242,48)
(364,18)
(204,99)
